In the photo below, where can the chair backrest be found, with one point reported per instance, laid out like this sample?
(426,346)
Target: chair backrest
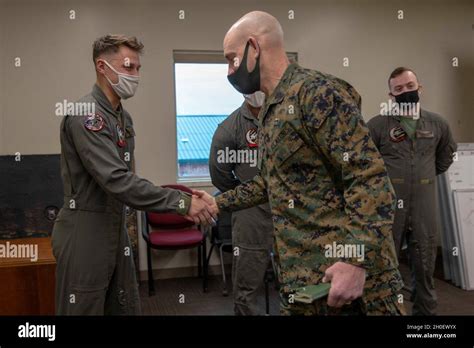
(169,220)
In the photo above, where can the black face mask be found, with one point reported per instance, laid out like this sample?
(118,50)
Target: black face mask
(408,97)
(244,81)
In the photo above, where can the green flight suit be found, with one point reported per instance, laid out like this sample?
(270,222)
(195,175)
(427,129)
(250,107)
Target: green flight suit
(95,273)
(412,166)
(326,183)
(252,229)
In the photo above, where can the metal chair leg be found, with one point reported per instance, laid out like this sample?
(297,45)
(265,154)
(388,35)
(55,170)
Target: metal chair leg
(224,291)
(151,282)
(210,254)
(204,266)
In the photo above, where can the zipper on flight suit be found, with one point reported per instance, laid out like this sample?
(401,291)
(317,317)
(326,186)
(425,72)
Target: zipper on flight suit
(413,149)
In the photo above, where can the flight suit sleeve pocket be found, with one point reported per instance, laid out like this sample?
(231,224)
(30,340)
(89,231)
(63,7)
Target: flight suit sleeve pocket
(130,138)
(129,132)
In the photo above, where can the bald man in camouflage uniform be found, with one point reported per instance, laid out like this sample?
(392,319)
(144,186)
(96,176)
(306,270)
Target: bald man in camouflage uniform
(322,175)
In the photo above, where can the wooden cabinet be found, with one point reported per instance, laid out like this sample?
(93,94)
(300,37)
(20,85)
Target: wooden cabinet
(27,285)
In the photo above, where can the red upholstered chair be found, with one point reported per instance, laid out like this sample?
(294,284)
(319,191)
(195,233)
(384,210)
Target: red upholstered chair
(170,231)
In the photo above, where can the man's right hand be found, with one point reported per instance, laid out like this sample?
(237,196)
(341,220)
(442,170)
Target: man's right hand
(200,211)
(210,201)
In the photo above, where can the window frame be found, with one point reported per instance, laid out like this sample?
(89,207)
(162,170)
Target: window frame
(199,57)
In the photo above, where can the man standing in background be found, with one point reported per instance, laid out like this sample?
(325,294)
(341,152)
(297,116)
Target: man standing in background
(416,146)
(252,229)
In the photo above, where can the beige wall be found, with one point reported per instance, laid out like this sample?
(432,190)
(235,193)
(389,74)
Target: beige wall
(56,62)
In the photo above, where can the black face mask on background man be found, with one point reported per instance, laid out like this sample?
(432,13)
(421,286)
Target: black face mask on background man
(244,81)
(409,97)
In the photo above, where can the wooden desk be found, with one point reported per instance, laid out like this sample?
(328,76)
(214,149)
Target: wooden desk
(27,287)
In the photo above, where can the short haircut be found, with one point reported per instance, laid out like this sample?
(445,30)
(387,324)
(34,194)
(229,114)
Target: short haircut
(397,72)
(111,43)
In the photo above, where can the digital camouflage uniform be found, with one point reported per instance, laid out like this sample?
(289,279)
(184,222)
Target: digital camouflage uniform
(326,182)
(95,273)
(412,165)
(252,229)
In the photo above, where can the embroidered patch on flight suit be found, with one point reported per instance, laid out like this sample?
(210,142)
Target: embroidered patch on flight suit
(94,122)
(397,134)
(251,136)
(121,135)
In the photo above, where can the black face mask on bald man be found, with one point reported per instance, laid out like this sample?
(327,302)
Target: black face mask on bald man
(244,81)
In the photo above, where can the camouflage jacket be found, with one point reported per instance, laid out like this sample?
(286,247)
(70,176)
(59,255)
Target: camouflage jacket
(326,183)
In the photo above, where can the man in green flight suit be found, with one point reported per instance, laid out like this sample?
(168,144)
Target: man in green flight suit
(252,229)
(416,146)
(95,273)
(324,178)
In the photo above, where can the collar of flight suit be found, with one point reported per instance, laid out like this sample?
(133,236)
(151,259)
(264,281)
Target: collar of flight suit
(280,90)
(245,111)
(422,115)
(421,120)
(104,102)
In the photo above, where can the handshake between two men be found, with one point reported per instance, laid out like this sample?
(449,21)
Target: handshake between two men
(203,209)
(347,281)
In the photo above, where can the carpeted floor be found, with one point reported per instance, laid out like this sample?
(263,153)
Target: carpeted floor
(168,299)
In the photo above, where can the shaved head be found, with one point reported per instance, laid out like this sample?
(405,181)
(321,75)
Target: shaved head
(264,34)
(260,25)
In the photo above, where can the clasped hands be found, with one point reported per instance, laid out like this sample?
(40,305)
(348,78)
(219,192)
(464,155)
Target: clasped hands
(203,209)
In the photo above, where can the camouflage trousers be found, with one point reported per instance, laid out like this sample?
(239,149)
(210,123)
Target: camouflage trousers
(388,305)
